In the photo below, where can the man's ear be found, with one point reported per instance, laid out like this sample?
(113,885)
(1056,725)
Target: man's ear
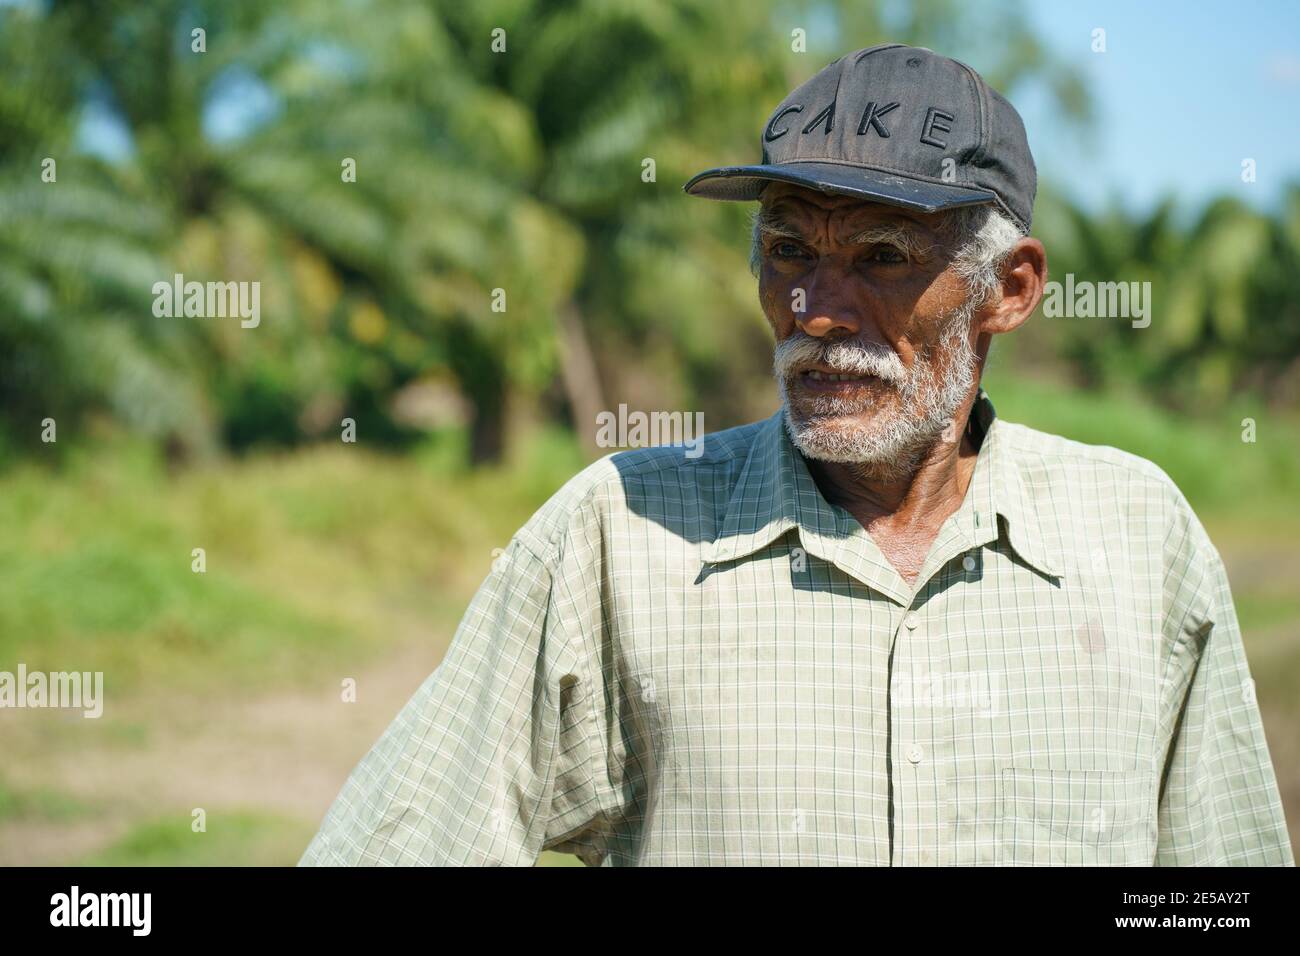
(1024,278)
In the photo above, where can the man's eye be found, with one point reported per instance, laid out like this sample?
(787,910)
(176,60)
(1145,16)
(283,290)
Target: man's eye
(786,250)
(887,254)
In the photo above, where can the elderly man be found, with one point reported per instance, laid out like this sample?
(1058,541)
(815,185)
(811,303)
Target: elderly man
(880,627)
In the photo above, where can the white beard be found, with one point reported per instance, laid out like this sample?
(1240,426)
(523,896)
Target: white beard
(908,419)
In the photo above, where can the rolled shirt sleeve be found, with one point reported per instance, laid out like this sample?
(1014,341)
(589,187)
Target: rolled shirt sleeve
(491,760)
(1219,801)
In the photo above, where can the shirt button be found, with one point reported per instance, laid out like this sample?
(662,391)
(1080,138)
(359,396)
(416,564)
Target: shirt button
(915,753)
(968,563)
(911,622)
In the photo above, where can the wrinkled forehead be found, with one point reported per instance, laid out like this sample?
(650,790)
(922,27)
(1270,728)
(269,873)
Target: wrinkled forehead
(797,207)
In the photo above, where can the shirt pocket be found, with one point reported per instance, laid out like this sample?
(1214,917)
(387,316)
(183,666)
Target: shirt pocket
(1076,818)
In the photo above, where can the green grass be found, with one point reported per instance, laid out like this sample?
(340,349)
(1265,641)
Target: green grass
(1264,611)
(242,838)
(309,555)
(42,804)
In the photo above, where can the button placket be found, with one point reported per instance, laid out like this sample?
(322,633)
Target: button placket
(917,777)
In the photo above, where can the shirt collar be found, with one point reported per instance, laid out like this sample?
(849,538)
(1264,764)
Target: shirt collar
(776,492)
(1006,493)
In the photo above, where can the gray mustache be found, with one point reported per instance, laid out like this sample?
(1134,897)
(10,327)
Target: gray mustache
(857,358)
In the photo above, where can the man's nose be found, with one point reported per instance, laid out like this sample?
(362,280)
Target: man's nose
(831,305)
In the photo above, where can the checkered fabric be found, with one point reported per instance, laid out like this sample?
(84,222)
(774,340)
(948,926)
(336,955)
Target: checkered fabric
(701,661)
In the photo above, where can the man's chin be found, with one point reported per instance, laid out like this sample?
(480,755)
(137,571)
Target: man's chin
(877,445)
(838,438)
(861,409)
(839,417)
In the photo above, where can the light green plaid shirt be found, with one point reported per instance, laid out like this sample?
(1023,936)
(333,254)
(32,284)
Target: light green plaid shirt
(700,661)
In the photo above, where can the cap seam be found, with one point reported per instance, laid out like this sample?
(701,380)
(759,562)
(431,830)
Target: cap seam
(977,91)
(863,54)
(839,81)
(980,90)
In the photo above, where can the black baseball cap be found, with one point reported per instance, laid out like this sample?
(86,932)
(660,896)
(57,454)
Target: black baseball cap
(894,124)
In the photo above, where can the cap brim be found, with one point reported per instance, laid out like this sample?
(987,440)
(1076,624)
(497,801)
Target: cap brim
(741,183)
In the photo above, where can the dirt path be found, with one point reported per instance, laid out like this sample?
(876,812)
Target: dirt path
(284,752)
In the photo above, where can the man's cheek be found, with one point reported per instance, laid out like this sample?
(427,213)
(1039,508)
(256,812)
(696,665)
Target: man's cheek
(767,299)
(774,290)
(779,315)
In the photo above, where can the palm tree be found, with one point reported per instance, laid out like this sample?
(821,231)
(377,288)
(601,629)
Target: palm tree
(78,254)
(480,171)
(1224,290)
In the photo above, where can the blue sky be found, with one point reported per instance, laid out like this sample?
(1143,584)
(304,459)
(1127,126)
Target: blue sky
(1185,91)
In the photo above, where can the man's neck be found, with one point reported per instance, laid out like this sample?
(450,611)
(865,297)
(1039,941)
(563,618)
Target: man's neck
(903,515)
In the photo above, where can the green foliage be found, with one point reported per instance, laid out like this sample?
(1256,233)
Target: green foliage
(1224,320)
(476,171)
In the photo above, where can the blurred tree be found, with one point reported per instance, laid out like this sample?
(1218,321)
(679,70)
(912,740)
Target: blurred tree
(78,255)
(1224,313)
(510,153)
